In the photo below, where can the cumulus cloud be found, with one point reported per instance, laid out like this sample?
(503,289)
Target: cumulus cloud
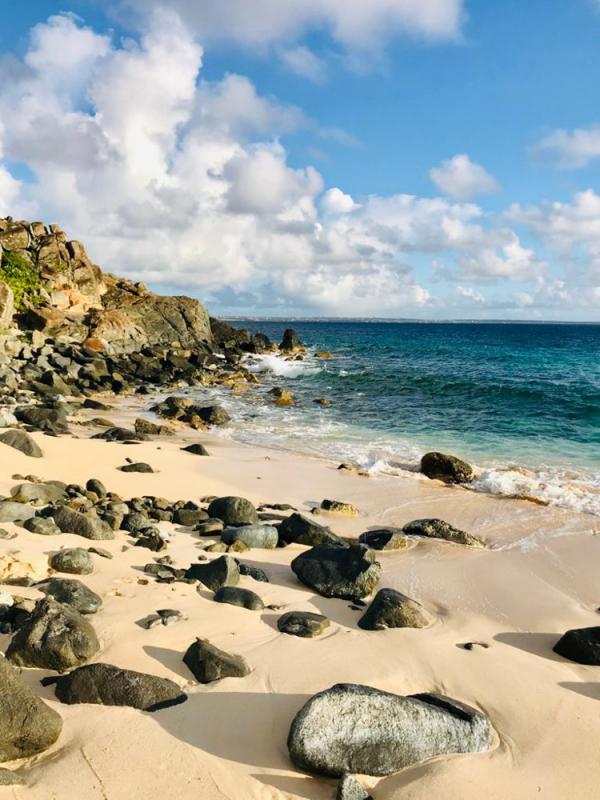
(569,149)
(185,183)
(470,294)
(462,178)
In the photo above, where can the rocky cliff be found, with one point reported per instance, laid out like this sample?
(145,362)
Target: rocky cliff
(49,284)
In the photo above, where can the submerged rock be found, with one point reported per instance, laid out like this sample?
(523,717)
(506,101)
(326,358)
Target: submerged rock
(384,539)
(27,725)
(447,468)
(391,609)
(54,637)
(345,572)
(438,529)
(233,511)
(302,623)
(358,729)
(208,663)
(581,645)
(104,684)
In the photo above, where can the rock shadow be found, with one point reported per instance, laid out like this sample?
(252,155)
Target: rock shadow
(587,689)
(538,644)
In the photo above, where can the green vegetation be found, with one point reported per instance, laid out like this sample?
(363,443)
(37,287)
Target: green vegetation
(22,277)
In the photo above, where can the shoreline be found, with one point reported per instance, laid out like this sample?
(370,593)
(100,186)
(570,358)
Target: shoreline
(228,739)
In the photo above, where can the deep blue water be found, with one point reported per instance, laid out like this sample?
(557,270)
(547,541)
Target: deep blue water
(495,394)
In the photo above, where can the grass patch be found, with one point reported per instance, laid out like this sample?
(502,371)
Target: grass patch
(22,277)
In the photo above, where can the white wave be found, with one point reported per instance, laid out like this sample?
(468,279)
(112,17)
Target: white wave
(278,365)
(553,488)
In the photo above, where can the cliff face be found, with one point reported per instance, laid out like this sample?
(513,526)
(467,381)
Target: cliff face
(49,284)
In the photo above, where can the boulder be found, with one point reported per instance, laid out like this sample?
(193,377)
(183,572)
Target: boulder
(27,725)
(255,573)
(262,536)
(213,415)
(233,511)
(391,609)
(346,572)
(447,468)
(581,645)
(358,729)
(196,449)
(300,530)
(139,466)
(290,341)
(38,493)
(223,571)
(282,397)
(44,526)
(54,637)
(74,560)
(15,512)
(338,507)
(235,596)
(50,419)
(302,623)
(384,539)
(104,684)
(71,592)
(208,663)
(438,529)
(21,441)
(87,525)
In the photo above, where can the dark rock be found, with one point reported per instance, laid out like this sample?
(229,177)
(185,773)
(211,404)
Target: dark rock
(97,487)
(233,511)
(438,529)
(71,592)
(381,733)
(75,560)
(262,536)
(384,539)
(339,507)
(345,572)
(152,539)
(391,609)
(54,637)
(301,530)
(38,493)
(223,571)
(290,341)
(213,415)
(207,663)
(581,645)
(100,551)
(43,418)
(188,517)
(140,466)
(235,596)
(21,441)
(87,525)
(302,623)
(45,526)
(196,449)
(96,405)
(104,684)
(27,725)
(255,573)
(117,434)
(446,468)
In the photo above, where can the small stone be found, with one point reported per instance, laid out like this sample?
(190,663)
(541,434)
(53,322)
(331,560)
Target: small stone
(100,551)
(338,507)
(139,466)
(391,609)
(302,623)
(349,788)
(75,560)
(235,596)
(208,663)
(44,526)
(196,449)
(223,571)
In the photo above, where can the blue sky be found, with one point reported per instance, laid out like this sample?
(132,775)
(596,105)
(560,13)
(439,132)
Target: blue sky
(433,159)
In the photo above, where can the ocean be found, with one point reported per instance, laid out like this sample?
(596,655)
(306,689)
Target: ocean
(519,401)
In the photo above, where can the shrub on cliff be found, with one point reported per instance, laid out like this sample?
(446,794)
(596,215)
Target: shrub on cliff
(22,277)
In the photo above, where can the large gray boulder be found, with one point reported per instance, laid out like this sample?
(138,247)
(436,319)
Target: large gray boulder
(104,684)
(233,511)
(300,530)
(208,663)
(447,468)
(21,441)
(392,609)
(54,637)
(87,525)
(74,560)
(263,536)
(358,729)
(438,529)
(347,572)
(27,725)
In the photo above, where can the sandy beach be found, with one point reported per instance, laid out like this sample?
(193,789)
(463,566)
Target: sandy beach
(535,579)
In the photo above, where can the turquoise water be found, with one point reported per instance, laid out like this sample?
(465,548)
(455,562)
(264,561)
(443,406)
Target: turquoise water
(499,395)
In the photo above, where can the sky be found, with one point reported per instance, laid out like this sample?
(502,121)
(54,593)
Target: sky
(431,159)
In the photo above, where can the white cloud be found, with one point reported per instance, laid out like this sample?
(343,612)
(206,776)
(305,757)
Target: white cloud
(462,178)
(351,23)
(570,149)
(184,183)
(470,294)
(303,62)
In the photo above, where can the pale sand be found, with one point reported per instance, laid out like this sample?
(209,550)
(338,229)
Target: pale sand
(538,578)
